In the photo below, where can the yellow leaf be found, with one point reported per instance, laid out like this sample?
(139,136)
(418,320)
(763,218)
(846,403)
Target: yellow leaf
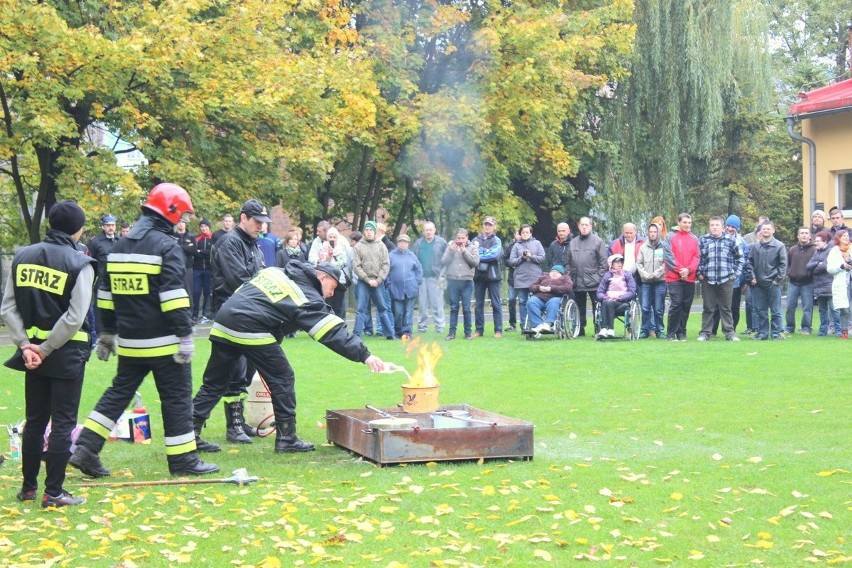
(119,508)
(712,538)
(764,535)
(676,496)
(543,554)
(765,544)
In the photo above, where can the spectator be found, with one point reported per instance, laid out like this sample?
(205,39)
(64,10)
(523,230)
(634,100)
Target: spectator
(404,280)
(837,224)
(627,245)
(588,265)
(487,277)
(839,265)
(429,250)
(800,281)
(227,224)
(817,222)
(460,259)
(681,254)
(616,289)
(371,264)
(526,258)
(661,223)
(818,267)
(335,250)
(547,293)
(123,229)
(318,242)
(768,266)
(290,251)
(750,239)
(101,245)
(557,252)
(201,274)
(732,225)
(267,245)
(651,268)
(510,282)
(381,236)
(720,264)
(186,240)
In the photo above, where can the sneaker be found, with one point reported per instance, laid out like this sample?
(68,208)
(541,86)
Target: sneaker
(778,337)
(673,338)
(702,338)
(451,336)
(64,499)
(643,335)
(805,332)
(537,328)
(468,336)
(26,495)
(498,335)
(610,333)
(510,328)
(681,337)
(760,337)
(546,327)
(732,338)
(661,335)
(204,320)
(475,335)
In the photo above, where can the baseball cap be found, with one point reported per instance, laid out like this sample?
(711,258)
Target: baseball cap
(255,209)
(403,237)
(107,219)
(332,271)
(489,220)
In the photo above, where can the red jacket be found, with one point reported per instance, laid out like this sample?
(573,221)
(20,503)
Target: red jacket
(680,250)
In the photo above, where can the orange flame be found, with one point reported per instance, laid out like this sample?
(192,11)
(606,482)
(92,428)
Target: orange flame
(427,359)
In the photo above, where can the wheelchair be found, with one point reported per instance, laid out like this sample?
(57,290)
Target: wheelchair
(566,326)
(630,318)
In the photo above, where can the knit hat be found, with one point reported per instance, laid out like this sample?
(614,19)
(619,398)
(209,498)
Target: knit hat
(558,268)
(66,216)
(403,237)
(733,221)
(819,212)
(204,222)
(370,225)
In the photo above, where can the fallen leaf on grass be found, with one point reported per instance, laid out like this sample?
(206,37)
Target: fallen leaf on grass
(543,554)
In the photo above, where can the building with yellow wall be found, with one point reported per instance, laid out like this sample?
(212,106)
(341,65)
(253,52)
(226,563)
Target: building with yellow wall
(826,117)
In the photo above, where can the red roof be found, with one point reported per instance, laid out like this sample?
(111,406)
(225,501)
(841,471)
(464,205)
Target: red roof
(831,98)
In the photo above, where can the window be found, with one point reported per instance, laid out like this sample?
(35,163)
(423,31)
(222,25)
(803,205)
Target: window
(844,192)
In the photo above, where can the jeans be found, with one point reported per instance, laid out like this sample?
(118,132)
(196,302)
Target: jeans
(681,294)
(652,296)
(825,312)
(461,292)
(493,288)
(551,310)
(431,299)
(513,306)
(523,298)
(366,293)
(767,300)
(201,290)
(403,315)
(806,293)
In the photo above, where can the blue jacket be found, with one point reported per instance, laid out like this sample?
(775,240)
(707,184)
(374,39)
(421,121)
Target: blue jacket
(405,274)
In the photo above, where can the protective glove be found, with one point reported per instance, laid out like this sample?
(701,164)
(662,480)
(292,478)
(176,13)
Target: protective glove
(185,350)
(105,346)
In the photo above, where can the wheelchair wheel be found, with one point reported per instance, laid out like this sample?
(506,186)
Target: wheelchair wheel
(596,317)
(633,321)
(569,320)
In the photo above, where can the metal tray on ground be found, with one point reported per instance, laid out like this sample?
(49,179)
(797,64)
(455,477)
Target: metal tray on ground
(488,435)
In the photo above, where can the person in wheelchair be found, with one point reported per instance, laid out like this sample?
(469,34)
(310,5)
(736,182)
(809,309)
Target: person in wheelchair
(545,295)
(616,290)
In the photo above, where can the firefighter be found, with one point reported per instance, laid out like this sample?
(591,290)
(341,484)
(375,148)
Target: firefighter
(142,300)
(253,322)
(45,306)
(235,259)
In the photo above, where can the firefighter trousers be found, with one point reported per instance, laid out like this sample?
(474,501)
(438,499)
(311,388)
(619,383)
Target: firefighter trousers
(174,384)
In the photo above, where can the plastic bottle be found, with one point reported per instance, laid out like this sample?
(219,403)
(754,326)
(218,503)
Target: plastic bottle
(141,424)
(15,444)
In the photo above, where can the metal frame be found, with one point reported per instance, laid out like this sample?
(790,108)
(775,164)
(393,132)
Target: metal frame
(631,319)
(567,321)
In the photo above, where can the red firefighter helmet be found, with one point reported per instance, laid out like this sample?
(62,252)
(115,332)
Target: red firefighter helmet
(169,200)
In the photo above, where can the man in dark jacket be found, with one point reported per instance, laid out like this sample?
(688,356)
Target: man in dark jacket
(235,259)
(101,245)
(45,306)
(800,281)
(557,252)
(145,318)
(588,264)
(201,275)
(767,268)
(252,323)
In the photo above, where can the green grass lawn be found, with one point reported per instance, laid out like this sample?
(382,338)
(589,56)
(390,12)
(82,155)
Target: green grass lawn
(646,453)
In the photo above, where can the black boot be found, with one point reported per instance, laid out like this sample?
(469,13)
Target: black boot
(88,462)
(248,430)
(286,439)
(190,464)
(234,421)
(202,445)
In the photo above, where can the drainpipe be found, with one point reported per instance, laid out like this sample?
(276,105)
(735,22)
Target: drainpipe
(811,161)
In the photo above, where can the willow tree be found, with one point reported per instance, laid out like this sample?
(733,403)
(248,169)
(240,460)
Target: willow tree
(668,119)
